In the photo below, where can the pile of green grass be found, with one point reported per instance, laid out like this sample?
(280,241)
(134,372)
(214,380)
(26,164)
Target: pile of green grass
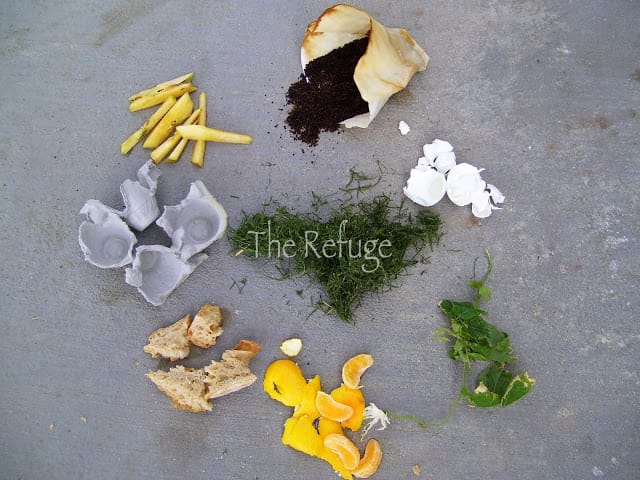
(337,256)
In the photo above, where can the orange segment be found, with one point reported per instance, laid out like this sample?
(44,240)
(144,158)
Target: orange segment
(355,399)
(326,427)
(331,409)
(353,369)
(344,448)
(283,381)
(370,461)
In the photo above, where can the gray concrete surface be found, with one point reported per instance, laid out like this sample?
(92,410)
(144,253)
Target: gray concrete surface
(544,95)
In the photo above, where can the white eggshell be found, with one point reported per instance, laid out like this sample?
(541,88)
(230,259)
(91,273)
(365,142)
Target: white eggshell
(425,187)
(463,182)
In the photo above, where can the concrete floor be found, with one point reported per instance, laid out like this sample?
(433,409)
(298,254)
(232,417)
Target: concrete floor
(545,95)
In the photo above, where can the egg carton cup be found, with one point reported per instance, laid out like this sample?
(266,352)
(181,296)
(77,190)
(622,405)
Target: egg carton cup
(106,239)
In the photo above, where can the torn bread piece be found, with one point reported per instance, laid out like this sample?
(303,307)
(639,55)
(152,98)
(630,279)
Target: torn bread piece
(170,342)
(232,373)
(244,351)
(190,389)
(205,328)
(185,386)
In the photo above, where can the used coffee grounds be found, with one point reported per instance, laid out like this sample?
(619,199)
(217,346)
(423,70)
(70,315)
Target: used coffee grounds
(326,93)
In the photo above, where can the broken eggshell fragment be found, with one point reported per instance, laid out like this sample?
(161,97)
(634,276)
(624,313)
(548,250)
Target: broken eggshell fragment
(105,240)
(392,57)
(194,224)
(158,270)
(425,186)
(141,206)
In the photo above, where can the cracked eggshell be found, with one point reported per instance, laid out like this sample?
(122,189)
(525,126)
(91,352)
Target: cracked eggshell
(463,182)
(480,204)
(495,195)
(445,161)
(158,270)
(425,186)
(194,224)
(437,147)
(392,57)
(105,240)
(141,206)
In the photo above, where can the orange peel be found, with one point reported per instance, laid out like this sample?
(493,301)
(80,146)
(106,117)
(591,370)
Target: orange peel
(284,382)
(307,404)
(355,399)
(300,434)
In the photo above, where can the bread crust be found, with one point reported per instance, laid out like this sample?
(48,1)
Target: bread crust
(206,326)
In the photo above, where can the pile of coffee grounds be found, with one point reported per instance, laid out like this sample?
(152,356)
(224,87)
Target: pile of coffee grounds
(326,94)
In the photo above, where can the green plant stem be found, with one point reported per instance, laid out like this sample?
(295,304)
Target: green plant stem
(485,277)
(452,408)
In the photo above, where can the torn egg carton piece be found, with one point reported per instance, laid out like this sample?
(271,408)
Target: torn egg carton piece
(107,241)
(104,237)
(158,270)
(140,204)
(194,224)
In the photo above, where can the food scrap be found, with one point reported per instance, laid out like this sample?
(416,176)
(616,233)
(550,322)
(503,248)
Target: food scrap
(352,65)
(437,173)
(163,132)
(207,134)
(161,92)
(474,339)
(360,249)
(354,368)
(291,347)
(375,416)
(316,426)
(326,94)
(191,389)
(174,341)
(206,326)
(171,342)
(403,127)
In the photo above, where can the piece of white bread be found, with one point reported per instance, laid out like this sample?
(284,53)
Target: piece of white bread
(170,342)
(232,373)
(205,327)
(185,386)
(190,389)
